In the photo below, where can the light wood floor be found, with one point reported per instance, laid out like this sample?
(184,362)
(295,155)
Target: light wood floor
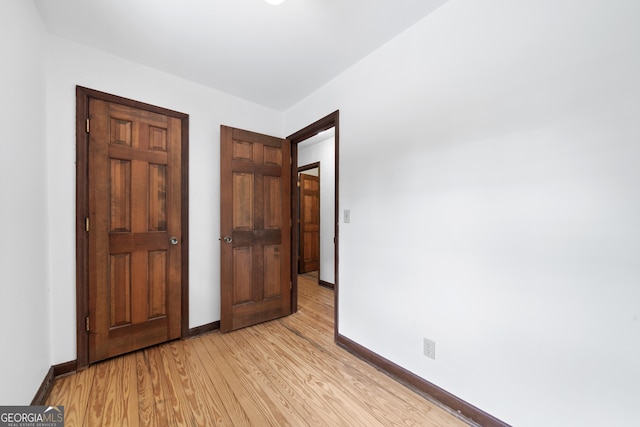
(287,372)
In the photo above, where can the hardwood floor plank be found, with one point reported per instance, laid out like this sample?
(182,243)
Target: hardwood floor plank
(206,412)
(206,394)
(76,408)
(61,392)
(183,386)
(324,375)
(95,401)
(220,387)
(163,409)
(314,391)
(271,382)
(287,372)
(172,387)
(72,393)
(402,398)
(297,398)
(121,398)
(256,401)
(146,399)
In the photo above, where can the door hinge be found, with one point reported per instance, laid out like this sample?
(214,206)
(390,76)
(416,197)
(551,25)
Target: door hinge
(87,125)
(87,324)
(86,224)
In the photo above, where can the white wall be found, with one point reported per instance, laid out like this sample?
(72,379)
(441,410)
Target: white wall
(24,293)
(70,64)
(489,156)
(324,152)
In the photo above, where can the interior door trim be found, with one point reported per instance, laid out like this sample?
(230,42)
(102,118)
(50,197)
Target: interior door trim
(329,121)
(309,167)
(83,95)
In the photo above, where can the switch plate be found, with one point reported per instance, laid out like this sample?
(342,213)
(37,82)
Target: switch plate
(430,348)
(347,216)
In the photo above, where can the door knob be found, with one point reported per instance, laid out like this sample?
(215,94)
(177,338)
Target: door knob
(173,240)
(227,239)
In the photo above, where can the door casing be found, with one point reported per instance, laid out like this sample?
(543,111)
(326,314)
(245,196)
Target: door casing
(83,95)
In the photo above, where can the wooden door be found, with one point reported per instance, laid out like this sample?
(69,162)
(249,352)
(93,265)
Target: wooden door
(134,260)
(255,226)
(309,258)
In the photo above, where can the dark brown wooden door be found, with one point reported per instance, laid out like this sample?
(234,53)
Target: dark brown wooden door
(309,223)
(255,228)
(134,229)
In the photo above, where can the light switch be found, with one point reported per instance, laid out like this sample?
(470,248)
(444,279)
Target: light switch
(347,216)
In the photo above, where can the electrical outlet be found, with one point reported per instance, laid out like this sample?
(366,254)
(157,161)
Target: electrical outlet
(430,348)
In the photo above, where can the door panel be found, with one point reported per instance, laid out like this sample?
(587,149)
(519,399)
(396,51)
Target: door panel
(134,209)
(309,223)
(256,222)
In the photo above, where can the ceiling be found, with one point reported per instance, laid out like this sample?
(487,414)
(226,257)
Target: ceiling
(271,55)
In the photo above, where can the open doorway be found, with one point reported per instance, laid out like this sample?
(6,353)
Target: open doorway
(308,220)
(316,189)
(316,146)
